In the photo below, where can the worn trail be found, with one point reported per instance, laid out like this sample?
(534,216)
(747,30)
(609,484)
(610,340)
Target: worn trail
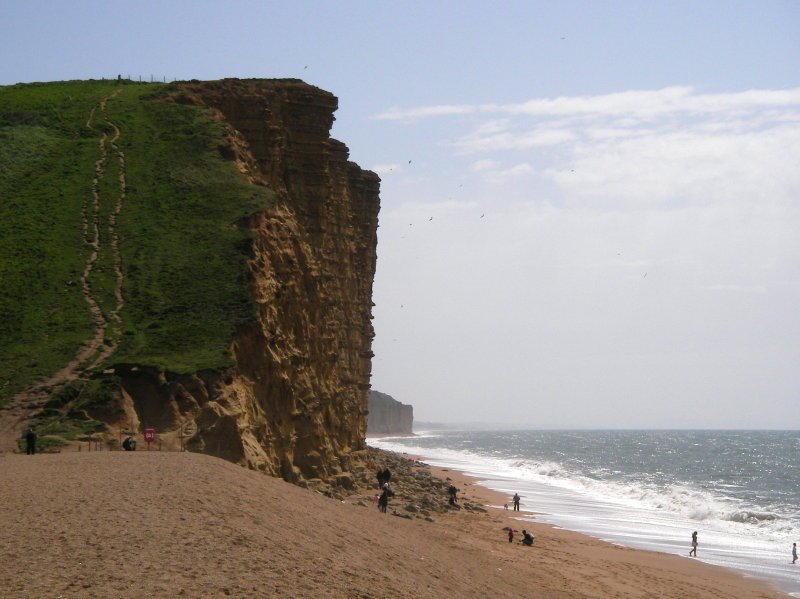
(113,236)
(22,408)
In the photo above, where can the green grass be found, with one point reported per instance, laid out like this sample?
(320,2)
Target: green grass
(44,153)
(183,256)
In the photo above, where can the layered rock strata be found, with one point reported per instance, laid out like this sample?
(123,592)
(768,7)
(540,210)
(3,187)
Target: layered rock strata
(295,404)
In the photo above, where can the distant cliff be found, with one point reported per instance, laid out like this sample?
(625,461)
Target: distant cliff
(388,416)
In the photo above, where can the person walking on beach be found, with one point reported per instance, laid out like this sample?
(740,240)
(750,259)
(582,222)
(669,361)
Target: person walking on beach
(30,442)
(516,502)
(693,552)
(383,501)
(794,552)
(380,478)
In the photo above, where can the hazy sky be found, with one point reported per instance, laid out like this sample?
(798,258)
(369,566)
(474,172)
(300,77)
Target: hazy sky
(590,210)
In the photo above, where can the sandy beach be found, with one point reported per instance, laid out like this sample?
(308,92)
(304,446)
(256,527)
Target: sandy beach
(149,524)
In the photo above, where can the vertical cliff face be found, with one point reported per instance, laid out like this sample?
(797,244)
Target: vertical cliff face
(389,416)
(303,369)
(295,404)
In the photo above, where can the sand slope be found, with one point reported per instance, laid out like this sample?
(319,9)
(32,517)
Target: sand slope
(149,524)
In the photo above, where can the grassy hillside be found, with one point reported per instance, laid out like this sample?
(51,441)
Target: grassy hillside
(181,255)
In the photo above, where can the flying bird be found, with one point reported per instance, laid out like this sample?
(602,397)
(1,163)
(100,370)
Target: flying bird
(430,219)
(482,215)
(645,276)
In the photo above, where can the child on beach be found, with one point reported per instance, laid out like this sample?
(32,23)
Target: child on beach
(794,552)
(693,552)
(510,535)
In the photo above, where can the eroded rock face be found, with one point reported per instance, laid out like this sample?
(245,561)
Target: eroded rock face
(295,404)
(388,416)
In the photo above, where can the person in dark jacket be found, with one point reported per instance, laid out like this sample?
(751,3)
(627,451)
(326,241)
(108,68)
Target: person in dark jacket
(383,501)
(453,491)
(527,538)
(30,442)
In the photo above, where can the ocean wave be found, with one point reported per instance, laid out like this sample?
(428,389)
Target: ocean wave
(679,500)
(695,504)
(543,469)
(748,517)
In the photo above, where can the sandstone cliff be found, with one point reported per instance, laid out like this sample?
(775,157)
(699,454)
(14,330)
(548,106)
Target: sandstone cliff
(388,416)
(295,403)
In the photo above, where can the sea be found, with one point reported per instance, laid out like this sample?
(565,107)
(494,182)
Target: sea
(740,490)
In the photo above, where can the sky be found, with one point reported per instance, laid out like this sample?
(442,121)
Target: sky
(589,210)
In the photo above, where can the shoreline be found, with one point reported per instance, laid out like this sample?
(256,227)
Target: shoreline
(388,435)
(168,524)
(576,542)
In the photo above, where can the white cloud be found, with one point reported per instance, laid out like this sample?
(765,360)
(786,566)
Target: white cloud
(482,142)
(680,167)
(493,126)
(618,132)
(483,165)
(642,104)
(647,104)
(394,114)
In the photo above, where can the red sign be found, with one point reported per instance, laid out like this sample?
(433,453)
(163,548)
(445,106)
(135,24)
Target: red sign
(149,434)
